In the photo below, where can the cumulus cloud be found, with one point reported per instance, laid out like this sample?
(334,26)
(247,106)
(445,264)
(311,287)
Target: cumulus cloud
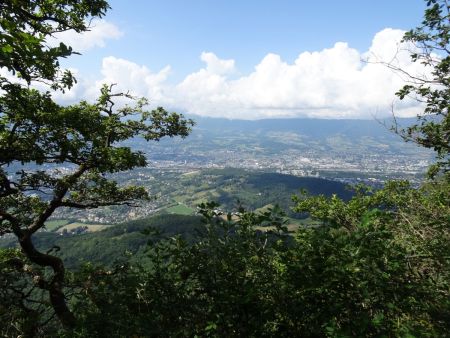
(336,82)
(214,65)
(129,76)
(100,31)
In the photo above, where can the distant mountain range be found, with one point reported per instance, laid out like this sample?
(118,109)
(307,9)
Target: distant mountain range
(316,128)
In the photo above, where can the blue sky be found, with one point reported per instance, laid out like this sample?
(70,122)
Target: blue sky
(176,32)
(174,50)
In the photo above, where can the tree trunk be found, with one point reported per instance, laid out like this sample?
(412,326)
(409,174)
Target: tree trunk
(55,285)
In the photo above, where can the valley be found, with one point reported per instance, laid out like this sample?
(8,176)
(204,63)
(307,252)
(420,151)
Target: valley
(216,161)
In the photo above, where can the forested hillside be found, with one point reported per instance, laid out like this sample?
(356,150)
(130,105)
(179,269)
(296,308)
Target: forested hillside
(80,243)
(181,192)
(117,243)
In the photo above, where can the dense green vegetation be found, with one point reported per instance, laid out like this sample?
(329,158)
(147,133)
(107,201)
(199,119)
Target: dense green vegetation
(366,273)
(35,130)
(116,243)
(377,263)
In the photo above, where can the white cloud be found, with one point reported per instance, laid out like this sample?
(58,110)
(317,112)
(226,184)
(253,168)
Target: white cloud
(129,76)
(96,36)
(216,66)
(332,83)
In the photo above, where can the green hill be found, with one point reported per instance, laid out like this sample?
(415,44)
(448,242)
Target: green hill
(182,193)
(252,189)
(112,244)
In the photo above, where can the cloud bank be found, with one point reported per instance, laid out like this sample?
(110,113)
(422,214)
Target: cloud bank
(99,31)
(336,82)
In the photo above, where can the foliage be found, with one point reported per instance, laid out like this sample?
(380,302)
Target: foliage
(381,261)
(223,284)
(25,27)
(114,243)
(379,265)
(431,49)
(387,254)
(86,137)
(23,305)
(375,276)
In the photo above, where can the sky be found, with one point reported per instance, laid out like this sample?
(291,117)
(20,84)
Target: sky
(251,59)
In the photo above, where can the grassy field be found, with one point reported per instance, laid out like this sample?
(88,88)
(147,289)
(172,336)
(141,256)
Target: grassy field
(90,227)
(180,209)
(191,173)
(264,208)
(55,224)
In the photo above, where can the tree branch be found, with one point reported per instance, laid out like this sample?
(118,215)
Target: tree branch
(60,191)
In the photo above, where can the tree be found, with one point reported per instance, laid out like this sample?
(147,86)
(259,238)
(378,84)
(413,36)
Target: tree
(226,283)
(86,137)
(431,48)
(25,26)
(380,262)
(394,240)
